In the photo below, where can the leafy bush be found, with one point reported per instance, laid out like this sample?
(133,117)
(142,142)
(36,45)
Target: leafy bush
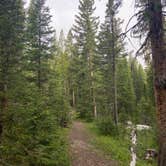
(106,126)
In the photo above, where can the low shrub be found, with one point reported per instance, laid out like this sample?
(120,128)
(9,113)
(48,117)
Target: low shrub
(106,126)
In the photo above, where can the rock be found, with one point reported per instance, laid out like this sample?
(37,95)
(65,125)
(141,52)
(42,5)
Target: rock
(129,123)
(151,154)
(143,127)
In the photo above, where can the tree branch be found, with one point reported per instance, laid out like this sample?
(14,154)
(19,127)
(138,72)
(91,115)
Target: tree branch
(135,15)
(143,45)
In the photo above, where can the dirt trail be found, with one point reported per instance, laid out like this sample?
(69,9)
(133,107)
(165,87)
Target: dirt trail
(84,154)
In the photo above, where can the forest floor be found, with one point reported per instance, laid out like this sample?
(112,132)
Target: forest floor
(81,150)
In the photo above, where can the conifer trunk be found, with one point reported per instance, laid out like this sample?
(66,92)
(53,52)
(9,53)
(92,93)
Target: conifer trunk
(39,59)
(94,106)
(73,98)
(4,103)
(93,96)
(159,66)
(3,88)
(114,78)
(92,91)
(112,30)
(39,73)
(3,108)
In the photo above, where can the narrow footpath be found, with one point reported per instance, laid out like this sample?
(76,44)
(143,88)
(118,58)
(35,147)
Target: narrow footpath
(81,151)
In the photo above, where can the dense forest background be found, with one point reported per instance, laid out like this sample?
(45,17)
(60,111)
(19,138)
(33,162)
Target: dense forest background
(44,80)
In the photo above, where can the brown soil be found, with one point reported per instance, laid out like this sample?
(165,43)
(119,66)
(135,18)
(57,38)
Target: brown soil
(82,152)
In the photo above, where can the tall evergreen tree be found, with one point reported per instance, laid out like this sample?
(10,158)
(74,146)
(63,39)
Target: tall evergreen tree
(59,82)
(39,37)
(126,94)
(112,10)
(61,41)
(110,48)
(148,101)
(46,104)
(85,34)
(11,50)
(139,79)
(71,51)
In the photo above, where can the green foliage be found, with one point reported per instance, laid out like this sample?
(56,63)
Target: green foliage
(118,148)
(31,132)
(31,135)
(146,140)
(146,112)
(85,31)
(59,83)
(115,147)
(111,49)
(139,79)
(39,35)
(150,87)
(126,95)
(106,126)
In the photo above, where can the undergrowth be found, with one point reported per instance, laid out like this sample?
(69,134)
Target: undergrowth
(118,147)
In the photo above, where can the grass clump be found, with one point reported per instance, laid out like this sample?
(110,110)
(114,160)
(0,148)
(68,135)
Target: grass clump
(115,147)
(146,139)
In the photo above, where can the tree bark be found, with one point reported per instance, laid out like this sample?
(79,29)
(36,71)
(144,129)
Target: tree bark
(39,73)
(94,106)
(4,103)
(93,94)
(73,98)
(39,56)
(91,84)
(4,87)
(159,67)
(112,30)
